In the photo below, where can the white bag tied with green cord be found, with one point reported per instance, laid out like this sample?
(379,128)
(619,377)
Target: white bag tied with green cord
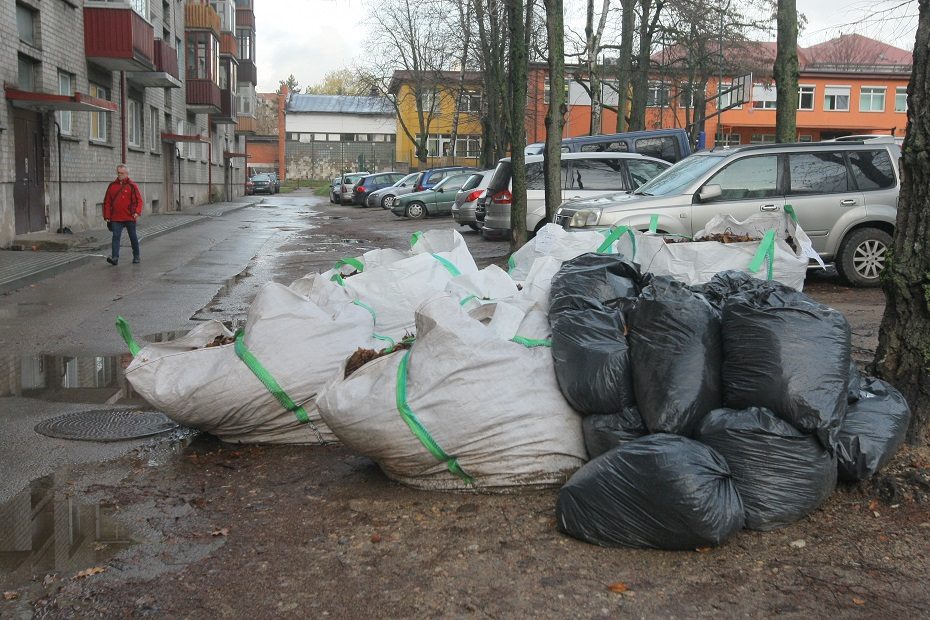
(263,388)
(556,242)
(448,414)
(771,258)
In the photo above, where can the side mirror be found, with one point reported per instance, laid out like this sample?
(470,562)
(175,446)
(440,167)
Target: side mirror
(441,190)
(709,192)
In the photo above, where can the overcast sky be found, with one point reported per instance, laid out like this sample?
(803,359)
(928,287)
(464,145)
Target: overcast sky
(310,38)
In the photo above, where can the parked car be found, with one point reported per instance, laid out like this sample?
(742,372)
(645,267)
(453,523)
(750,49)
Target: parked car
(276,182)
(463,209)
(883,137)
(672,145)
(845,195)
(435,201)
(261,183)
(383,197)
(583,174)
(373,182)
(334,189)
(346,185)
(432,176)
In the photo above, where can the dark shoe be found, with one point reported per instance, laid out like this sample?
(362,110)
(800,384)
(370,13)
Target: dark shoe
(112,260)
(136,260)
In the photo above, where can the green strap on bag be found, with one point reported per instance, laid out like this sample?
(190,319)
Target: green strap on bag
(614,235)
(766,251)
(530,343)
(417,428)
(271,384)
(415,237)
(447,264)
(654,223)
(123,328)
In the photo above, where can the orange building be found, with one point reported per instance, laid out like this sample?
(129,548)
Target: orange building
(848,85)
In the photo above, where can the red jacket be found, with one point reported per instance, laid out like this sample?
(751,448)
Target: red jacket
(122,200)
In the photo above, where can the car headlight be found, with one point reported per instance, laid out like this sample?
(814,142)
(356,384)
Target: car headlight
(585,217)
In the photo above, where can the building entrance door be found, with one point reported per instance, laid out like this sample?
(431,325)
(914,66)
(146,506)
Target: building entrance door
(29,187)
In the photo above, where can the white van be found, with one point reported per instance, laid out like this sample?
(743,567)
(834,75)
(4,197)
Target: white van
(583,175)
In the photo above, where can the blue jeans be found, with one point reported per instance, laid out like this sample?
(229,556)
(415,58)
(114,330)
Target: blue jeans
(118,233)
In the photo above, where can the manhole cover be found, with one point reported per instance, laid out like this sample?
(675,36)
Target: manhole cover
(106,425)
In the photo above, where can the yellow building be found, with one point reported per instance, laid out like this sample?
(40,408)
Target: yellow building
(450,105)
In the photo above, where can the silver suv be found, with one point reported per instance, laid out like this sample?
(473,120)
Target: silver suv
(845,195)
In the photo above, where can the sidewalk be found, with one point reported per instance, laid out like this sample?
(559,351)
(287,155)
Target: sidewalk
(38,255)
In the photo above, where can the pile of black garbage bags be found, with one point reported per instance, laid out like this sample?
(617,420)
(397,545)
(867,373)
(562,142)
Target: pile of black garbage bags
(708,408)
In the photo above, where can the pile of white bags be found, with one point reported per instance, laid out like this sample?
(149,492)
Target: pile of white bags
(296,342)
(771,258)
(470,403)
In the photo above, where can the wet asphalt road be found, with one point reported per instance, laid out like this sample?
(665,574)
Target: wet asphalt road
(211,269)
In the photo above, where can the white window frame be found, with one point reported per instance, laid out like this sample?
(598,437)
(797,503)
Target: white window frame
(807,89)
(836,90)
(470,101)
(468,146)
(154,128)
(900,99)
(245,100)
(764,97)
(873,93)
(547,89)
(141,7)
(134,123)
(727,139)
(65,87)
(657,96)
(685,89)
(762,138)
(99,121)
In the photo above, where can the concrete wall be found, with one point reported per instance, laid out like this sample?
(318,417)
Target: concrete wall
(321,160)
(305,122)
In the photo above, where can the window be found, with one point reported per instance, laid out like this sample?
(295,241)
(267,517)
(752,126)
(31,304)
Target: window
(763,97)
(872,169)
(244,38)
(805,138)
(748,178)
(665,148)
(614,146)
(468,146)
(686,95)
(728,98)
(154,129)
(657,97)
(726,139)
(817,173)
(141,7)
(535,176)
(319,137)
(134,120)
(65,87)
(470,101)
(872,99)
(805,97)
(429,100)
(26,24)
(98,120)
(202,56)
(900,99)
(836,98)
(547,89)
(642,171)
(762,138)
(598,174)
(26,73)
(245,100)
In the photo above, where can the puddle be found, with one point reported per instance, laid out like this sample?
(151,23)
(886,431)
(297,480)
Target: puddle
(60,378)
(47,529)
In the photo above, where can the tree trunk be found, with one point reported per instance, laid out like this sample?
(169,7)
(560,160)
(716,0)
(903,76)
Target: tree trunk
(555,114)
(785,73)
(648,22)
(903,355)
(624,62)
(516,14)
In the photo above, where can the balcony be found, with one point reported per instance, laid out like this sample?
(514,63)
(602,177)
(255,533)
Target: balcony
(247,72)
(228,44)
(227,113)
(165,74)
(201,17)
(118,39)
(203,97)
(247,124)
(245,18)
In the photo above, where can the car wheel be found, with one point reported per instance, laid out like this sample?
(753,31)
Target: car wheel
(416,210)
(387,202)
(862,256)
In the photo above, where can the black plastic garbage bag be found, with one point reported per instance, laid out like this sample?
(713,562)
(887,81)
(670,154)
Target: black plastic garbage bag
(790,355)
(592,360)
(781,473)
(855,382)
(675,348)
(725,285)
(592,280)
(607,431)
(661,491)
(872,431)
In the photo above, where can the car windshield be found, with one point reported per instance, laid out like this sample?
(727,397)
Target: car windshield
(450,182)
(674,180)
(350,179)
(473,181)
(261,177)
(407,181)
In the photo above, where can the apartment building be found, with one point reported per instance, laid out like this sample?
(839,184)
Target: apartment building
(90,84)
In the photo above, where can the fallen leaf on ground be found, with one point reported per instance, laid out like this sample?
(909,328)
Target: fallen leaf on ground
(858,601)
(618,587)
(873,504)
(87,572)
(703,549)
(798,544)
(223,531)
(10,596)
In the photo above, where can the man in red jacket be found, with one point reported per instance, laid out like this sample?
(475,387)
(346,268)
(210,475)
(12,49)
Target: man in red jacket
(122,206)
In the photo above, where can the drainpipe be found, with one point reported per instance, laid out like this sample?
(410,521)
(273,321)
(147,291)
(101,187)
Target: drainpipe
(122,115)
(209,161)
(62,229)
(178,151)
